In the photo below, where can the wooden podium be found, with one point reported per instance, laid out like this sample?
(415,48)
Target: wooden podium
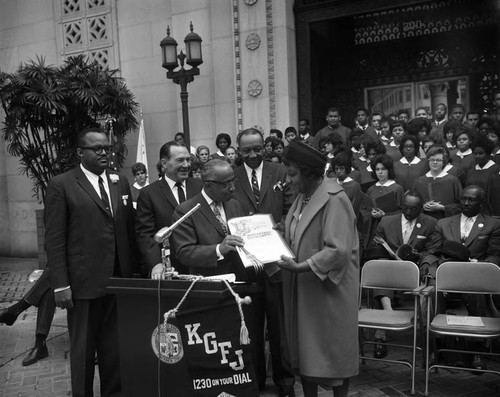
(141,305)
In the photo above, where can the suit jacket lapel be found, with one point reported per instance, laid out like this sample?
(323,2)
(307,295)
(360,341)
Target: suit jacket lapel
(455,228)
(209,214)
(113,191)
(475,229)
(266,180)
(167,192)
(87,186)
(241,174)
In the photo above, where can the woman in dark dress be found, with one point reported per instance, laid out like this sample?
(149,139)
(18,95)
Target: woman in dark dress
(410,166)
(386,194)
(441,191)
(222,141)
(482,148)
(463,158)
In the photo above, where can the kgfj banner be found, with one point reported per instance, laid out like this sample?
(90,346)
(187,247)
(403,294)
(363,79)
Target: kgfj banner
(207,342)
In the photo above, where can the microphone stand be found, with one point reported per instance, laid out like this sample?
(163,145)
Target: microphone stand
(163,237)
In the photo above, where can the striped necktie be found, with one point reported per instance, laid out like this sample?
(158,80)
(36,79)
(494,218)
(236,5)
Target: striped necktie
(255,187)
(104,195)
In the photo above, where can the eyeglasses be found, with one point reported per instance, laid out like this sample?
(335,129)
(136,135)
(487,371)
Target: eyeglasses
(226,184)
(98,149)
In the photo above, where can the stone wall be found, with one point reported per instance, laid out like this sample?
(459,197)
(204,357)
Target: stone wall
(221,99)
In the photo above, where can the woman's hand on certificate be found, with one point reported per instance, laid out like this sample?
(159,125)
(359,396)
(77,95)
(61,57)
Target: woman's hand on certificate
(289,264)
(280,227)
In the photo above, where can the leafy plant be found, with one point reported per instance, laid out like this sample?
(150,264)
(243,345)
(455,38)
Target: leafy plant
(46,107)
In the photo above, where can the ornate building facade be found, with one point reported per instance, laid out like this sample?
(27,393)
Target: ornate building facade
(265,63)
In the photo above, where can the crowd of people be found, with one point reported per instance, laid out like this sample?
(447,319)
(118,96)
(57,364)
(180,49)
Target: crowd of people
(339,196)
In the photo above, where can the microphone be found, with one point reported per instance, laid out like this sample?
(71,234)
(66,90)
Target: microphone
(164,232)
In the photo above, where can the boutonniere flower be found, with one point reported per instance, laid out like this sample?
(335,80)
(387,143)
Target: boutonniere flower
(278,187)
(125,198)
(418,225)
(480,226)
(114,178)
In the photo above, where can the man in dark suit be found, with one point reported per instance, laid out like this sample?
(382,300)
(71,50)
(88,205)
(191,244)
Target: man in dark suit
(202,242)
(411,227)
(157,201)
(480,236)
(260,189)
(479,233)
(90,238)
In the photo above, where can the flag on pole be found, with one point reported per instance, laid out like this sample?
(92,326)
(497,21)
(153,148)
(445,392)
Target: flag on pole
(141,146)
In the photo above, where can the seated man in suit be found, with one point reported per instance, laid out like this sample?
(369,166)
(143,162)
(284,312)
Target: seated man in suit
(202,242)
(40,295)
(479,234)
(412,227)
(157,202)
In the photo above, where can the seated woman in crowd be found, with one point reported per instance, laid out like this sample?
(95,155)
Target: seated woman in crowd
(441,191)
(222,141)
(398,129)
(278,150)
(203,154)
(196,166)
(386,194)
(270,143)
(482,149)
(449,129)
(386,128)
(494,136)
(485,124)
(326,271)
(410,166)
(140,180)
(231,156)
(371,148)
(463,158)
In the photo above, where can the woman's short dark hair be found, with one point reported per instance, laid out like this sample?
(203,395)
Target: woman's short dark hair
(274,141)
(335,139)
(482,141)
(451,126)
(386,161)
(222,136)
(376,145)
(138,167)
(343,159)
(415,125)
(413,139)
(461,131)
(437,149)
(399,123)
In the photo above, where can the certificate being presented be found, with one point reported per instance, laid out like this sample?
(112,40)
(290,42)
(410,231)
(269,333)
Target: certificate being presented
(262,242)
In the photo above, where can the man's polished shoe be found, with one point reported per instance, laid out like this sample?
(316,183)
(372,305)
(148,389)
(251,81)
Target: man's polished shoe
(37,353)
(380,349)
(286,391)
(7,317)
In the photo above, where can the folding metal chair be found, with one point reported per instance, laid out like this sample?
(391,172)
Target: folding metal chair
(480,278)
(394,275)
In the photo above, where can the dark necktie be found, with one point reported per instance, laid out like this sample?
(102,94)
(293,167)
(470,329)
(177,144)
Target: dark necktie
(255,187)
(219,217)
(180,192)
(104,195)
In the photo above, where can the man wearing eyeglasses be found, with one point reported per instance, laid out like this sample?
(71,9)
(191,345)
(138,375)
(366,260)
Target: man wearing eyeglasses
(90,238)
(202,242)
(157,201)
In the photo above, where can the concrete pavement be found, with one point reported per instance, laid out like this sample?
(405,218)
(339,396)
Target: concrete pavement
(51,376)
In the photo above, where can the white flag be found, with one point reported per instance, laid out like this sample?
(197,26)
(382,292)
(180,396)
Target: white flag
(141,146)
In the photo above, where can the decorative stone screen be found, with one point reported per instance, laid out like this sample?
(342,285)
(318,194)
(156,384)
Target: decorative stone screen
(89,27)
